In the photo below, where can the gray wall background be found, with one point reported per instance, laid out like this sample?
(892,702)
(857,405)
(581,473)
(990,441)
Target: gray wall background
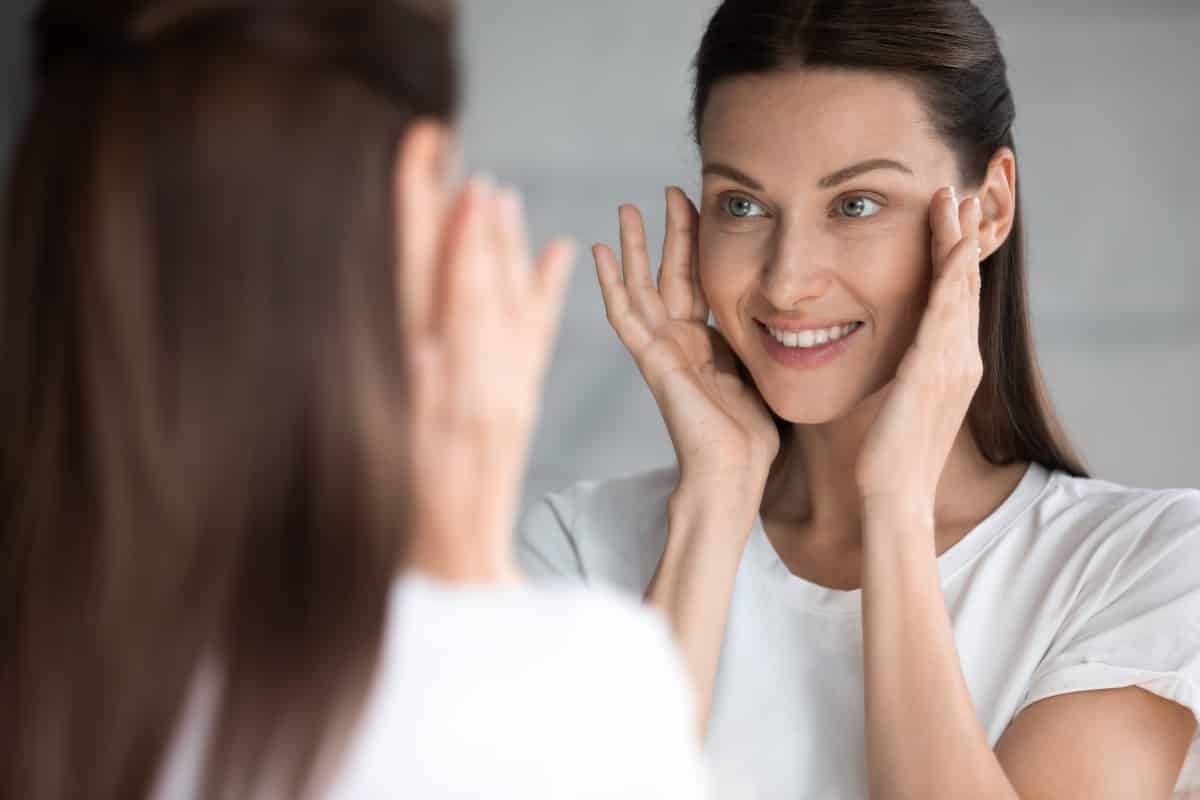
(584,105)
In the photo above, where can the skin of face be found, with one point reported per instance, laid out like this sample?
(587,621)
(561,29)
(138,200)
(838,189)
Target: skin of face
(777,241)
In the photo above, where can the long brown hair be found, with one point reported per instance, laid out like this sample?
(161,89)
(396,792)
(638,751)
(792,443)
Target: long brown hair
(202,459)
(950,51)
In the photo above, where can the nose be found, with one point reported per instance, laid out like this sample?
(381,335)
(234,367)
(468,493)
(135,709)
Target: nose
(796,270)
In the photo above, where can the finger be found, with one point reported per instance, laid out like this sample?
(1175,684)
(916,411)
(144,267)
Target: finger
(415,267)
(948,311)
(971,224)
(677,274)
(628,324)
(513,246)
(636,266)
(944,221)
(471,269)
(428,389)
(550,286)
(423,378)
(441,284)
(953,332)
(968,214)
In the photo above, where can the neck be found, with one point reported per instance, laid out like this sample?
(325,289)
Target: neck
(812,486)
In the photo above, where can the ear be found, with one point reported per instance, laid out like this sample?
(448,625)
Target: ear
(998,194)
(427,165)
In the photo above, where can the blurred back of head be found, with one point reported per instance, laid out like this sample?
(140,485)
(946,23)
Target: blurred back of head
(202,399)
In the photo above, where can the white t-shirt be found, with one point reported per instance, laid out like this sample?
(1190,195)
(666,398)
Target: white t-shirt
(478,696)
(1069,585)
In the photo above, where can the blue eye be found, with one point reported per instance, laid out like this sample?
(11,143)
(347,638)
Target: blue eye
(740,207)
(858,207)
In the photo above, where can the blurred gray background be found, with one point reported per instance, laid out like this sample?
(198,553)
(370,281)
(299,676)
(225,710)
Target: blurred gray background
(584,105)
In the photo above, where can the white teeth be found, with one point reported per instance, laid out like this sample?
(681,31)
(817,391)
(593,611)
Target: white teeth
(812,338)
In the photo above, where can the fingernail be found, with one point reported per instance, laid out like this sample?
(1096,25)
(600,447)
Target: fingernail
(978,205)
(954,195)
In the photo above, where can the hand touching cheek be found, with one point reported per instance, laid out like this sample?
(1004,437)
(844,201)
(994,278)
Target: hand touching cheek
(924,407)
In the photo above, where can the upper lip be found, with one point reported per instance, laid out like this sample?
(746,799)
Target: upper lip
(798,325)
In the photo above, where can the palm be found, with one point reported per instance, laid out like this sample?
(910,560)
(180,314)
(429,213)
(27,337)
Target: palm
(715,420)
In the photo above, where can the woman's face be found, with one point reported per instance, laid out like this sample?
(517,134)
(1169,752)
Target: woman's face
(814,225)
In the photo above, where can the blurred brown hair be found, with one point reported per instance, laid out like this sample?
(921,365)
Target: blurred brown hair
(202,457)
(950,52)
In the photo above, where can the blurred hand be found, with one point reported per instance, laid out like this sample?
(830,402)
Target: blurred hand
(475,383)
(719,426)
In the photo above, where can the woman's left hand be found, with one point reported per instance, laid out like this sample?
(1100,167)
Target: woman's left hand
(903,455)
(475,380)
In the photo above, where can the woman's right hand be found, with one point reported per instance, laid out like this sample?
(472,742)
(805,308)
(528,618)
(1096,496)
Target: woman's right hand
(719,425)
(723,435)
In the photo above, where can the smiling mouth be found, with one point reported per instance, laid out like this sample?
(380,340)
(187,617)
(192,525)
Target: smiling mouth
(811,339)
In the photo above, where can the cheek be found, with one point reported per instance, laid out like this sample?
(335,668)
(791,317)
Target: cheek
(729,268)
(887,272)
(892,283)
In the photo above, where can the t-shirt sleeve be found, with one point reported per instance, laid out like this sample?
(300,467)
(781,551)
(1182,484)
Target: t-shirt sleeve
(1143,627)
(545,545)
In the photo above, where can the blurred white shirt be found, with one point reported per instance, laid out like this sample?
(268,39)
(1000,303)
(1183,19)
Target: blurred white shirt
(515,692)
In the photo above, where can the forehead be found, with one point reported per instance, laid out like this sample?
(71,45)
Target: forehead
(806,122)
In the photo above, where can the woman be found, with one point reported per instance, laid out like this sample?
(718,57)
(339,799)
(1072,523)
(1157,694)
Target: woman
(890,575)
(262,357)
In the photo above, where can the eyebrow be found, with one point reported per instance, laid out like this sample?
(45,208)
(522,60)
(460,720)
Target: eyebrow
(726,171)
(853,171)
(833,179)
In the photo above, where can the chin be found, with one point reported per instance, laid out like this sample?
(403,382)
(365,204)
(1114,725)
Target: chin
(810,410)
(817,401)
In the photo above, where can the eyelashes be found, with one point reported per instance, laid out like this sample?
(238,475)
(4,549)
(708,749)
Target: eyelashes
(740,207)
(861,205)
(737,207)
